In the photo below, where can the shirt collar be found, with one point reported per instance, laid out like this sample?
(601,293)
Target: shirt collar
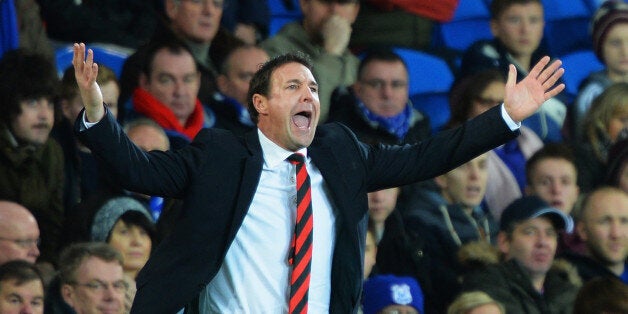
(273,153)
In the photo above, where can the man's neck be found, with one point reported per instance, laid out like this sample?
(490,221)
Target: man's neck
(200,51)
(537,282)
(617,268)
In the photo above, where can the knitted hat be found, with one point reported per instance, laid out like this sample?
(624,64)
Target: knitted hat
(110,212)
(529,207)
(384,290)
(609,14)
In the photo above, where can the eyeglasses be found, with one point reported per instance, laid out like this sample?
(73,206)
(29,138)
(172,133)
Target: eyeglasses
(216,3)
(379,84)
(98,286)
(23,243)
(488,102)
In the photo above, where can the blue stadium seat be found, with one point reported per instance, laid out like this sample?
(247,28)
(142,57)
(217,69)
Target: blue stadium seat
(111,58)
(281,13)
(469,24)
(566,26)
(430,79)
(578,65)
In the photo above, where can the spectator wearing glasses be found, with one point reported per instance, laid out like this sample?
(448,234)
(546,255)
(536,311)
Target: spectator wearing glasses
(19,233)
(90,280)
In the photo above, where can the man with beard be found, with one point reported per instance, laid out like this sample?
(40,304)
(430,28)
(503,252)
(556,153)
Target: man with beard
(31,163)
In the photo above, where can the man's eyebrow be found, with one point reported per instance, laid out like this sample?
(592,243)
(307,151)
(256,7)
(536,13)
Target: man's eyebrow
(16,295)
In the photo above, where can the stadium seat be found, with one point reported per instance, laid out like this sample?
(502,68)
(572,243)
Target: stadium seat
(578,65)
(430,79)
(469,24)
(281,13)
(111,58)
(566,26)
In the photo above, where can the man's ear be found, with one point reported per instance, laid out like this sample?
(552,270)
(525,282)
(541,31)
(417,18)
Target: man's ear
(441,181)
(581,230)
(503,242)
(494,28)
(221,83)
(67,292)
(171,8)
(260,102)
(143,81)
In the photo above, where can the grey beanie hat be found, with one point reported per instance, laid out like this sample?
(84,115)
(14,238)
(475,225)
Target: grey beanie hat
(110,212)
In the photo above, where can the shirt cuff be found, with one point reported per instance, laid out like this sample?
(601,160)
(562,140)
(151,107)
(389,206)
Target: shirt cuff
(87,124)
(509,121)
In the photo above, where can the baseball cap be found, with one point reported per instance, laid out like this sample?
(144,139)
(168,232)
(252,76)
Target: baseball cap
(529,207)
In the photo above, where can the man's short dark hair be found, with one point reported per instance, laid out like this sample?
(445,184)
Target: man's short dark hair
(386,55)
(74,255)
(23,76)
(170,44)
(549,151)
(260,83)
(498,7)
(20,271)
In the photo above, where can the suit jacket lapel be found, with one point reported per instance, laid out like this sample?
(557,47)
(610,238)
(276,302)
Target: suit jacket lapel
(252,171)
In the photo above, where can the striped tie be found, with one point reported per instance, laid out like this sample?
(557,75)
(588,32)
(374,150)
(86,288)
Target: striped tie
(301,258)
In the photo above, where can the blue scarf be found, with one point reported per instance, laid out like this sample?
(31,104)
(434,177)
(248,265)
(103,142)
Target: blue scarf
(9,34)
(397,125)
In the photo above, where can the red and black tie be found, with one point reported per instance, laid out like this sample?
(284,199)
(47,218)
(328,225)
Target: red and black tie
(301,258)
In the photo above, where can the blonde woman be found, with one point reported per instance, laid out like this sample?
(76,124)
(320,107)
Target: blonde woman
(475,302)
(602,127)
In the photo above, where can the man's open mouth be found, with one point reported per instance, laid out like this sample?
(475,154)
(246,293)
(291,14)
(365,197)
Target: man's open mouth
(302,119)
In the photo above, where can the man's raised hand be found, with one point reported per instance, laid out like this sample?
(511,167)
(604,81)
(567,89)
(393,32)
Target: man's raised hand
(86,72)
(524,98)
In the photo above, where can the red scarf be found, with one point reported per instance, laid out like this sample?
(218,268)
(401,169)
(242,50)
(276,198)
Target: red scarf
(151,107)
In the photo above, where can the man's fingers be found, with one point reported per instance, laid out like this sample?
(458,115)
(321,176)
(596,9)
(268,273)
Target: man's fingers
(512,77)
(553,79)
(554,91)
(538,68)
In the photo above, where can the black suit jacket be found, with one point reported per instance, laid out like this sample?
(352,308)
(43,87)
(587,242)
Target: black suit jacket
(217,176)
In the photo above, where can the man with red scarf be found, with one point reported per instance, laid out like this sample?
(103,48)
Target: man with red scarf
(168,92)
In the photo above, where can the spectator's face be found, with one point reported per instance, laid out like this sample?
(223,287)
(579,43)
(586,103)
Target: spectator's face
(110,93)
(98,288)
(34,123)
(288,116)
(175,82)
(490,97)
(148,138)
(615,50)
(617,123)
(382,203)
(520,28)
(532,243)
(555,181)
(27,297)
(19,235)
(242,65)
(196,20)
(604,227)
(383,87)
(133,242)
(370,252)
(317,12)
(466,185)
